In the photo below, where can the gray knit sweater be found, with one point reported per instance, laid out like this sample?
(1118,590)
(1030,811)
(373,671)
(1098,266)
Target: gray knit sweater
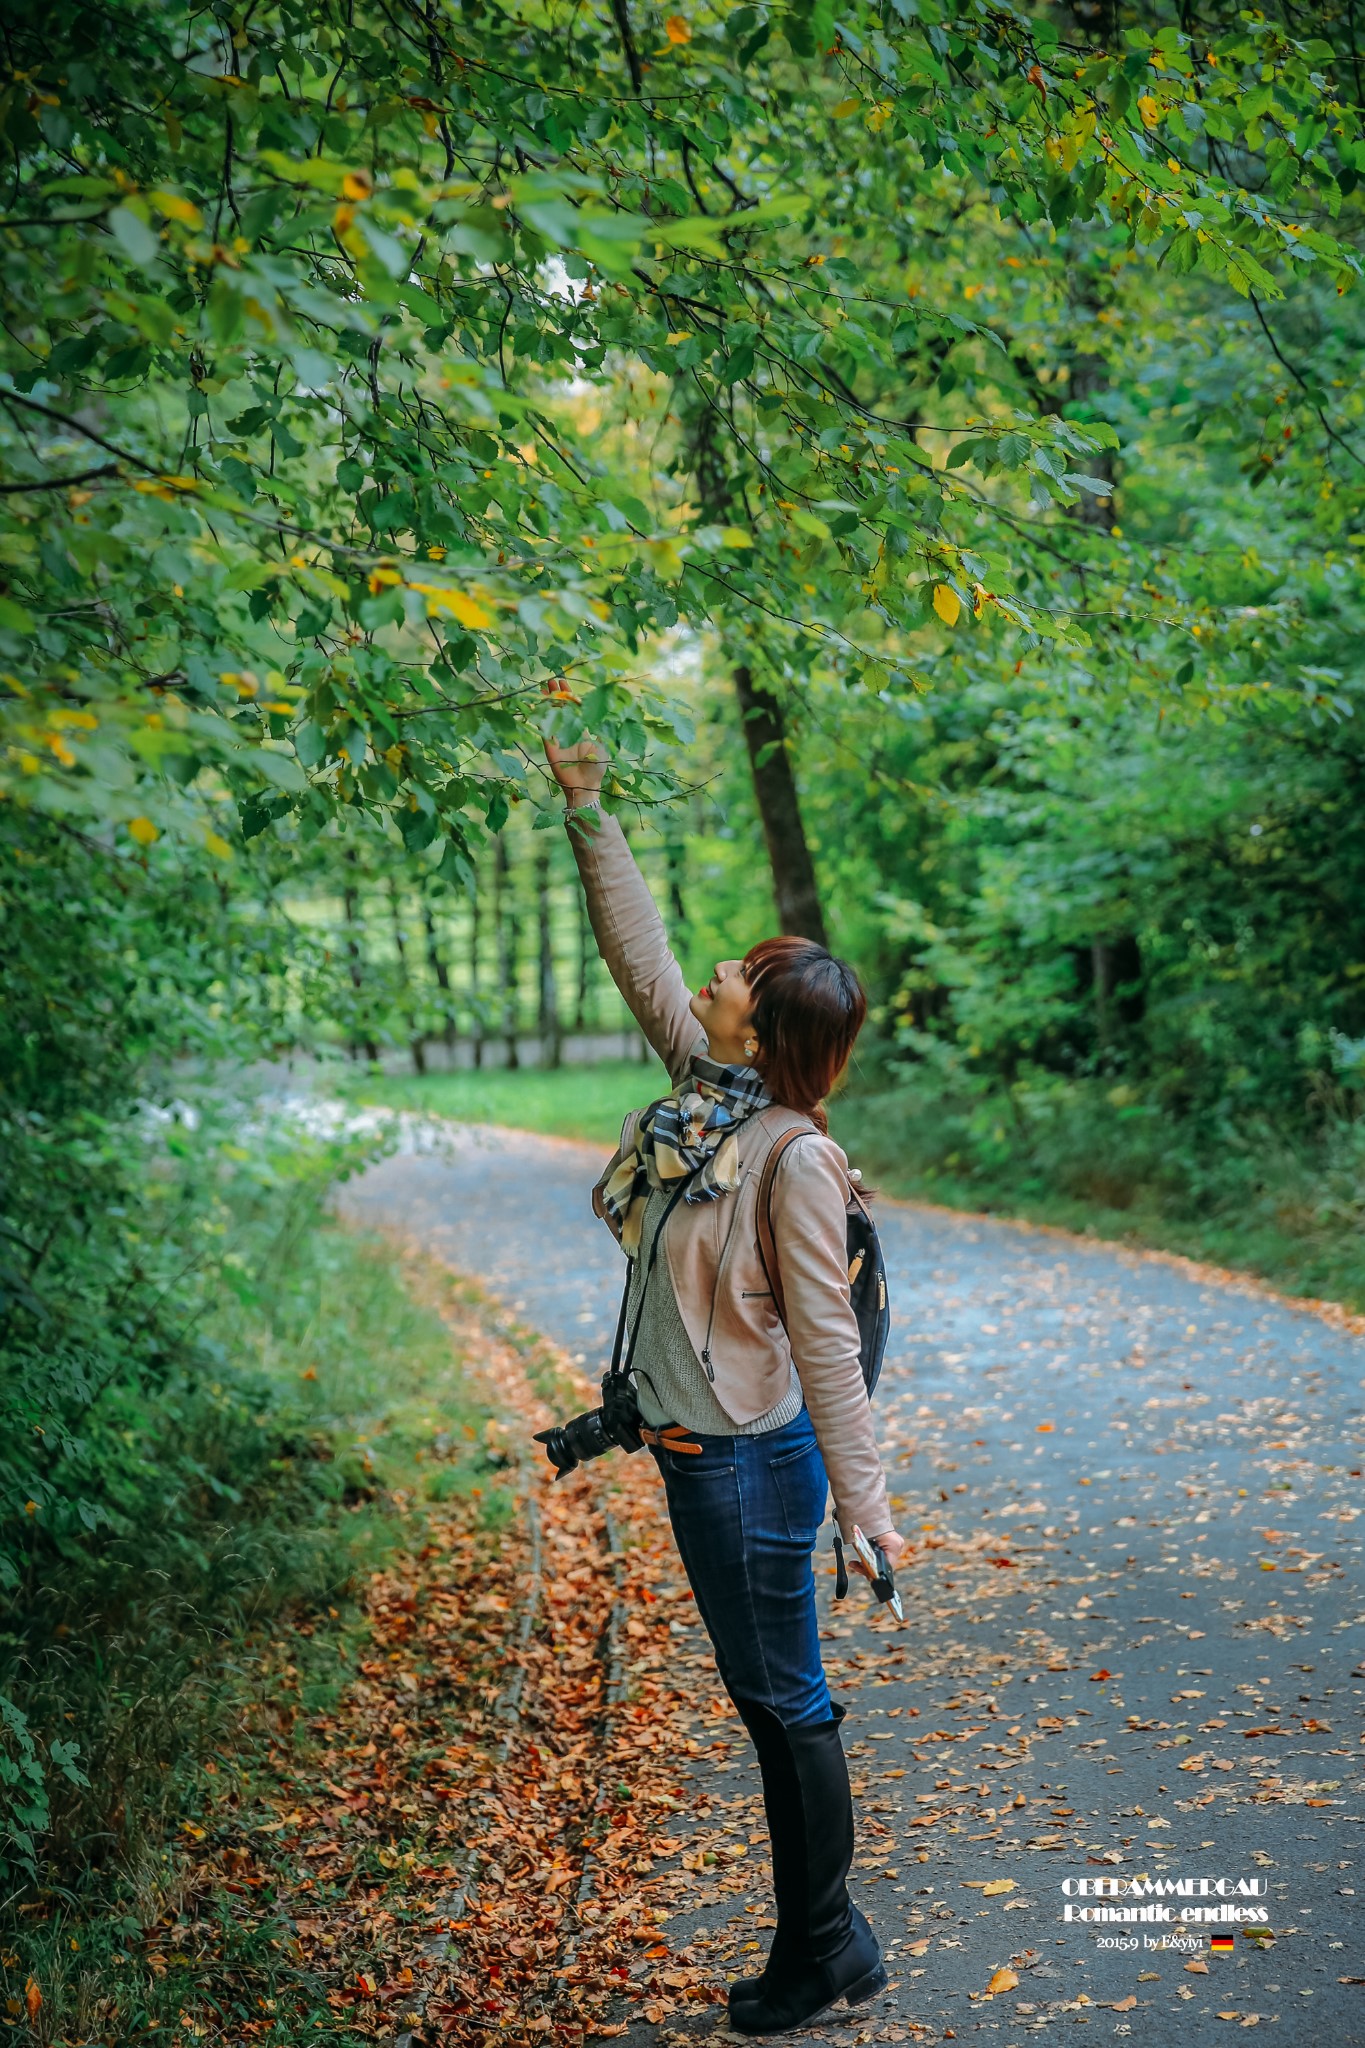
(670,1379)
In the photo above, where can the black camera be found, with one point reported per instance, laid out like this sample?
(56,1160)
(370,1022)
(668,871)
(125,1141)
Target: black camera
(613,1426)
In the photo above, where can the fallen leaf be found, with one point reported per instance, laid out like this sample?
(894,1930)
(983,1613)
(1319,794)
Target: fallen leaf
(1197,1969)
(1003,1980)
(996,1887)
(1124,2004)
(33,2001)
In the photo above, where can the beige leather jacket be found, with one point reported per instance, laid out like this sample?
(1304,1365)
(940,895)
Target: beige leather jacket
(711,1248)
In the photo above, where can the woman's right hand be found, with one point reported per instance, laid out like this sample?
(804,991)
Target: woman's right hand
(578,769)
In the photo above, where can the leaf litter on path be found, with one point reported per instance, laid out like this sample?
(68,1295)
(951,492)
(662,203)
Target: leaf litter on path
(465,1846)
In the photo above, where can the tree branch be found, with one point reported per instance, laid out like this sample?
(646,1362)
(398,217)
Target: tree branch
(59,483)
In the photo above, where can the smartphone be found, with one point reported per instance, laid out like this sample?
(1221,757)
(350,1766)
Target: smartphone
(874,1561)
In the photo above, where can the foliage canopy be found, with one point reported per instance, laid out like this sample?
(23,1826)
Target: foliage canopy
(324,324)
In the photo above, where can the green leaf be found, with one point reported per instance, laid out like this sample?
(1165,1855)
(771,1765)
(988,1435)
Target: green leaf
(137,240)
(310,743)
(281,769)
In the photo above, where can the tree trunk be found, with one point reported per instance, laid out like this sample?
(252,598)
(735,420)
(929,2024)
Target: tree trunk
(794,884)
(1117,964)
(505,922)
(551,1035)
(405,994)
(587,953)
(436,962)
(475,991)
(351,902)
(1088,376)
(675,858)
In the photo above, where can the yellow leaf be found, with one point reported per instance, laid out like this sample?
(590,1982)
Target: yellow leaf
(217,846)
(997,1885)
(33,2001)
(357,185)
(880,115)
(1149,110)
(466,609)
(677,30)
(175,207)
(946,604)
(1003,1980)
(667,560)
(846,107)
(143,830)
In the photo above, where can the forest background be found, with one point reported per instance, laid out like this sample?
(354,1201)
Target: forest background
(926,445)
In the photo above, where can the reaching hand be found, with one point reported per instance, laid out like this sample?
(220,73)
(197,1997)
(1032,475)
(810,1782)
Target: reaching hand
(578,769)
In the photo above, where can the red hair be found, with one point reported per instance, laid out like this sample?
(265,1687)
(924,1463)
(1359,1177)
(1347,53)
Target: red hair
(808,1010)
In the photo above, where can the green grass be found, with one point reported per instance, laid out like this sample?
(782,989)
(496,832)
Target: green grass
(159,1650)
(1289,1214)
(588,1102)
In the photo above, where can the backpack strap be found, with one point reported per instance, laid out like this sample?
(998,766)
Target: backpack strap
(767,1242)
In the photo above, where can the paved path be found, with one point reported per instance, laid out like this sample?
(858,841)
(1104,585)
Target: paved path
(1134,1633)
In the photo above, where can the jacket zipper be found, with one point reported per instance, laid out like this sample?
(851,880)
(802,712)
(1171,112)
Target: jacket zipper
(720,1269)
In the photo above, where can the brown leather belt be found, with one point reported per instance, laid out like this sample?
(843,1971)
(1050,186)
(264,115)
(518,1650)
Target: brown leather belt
(672,1437)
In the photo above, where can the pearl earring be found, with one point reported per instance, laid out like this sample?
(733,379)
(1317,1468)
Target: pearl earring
(750,1048)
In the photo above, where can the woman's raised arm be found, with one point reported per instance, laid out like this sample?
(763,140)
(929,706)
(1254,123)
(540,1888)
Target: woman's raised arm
(625,919)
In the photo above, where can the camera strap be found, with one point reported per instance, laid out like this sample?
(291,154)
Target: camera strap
(620,1369)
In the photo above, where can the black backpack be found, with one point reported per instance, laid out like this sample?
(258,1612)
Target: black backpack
(866,1264)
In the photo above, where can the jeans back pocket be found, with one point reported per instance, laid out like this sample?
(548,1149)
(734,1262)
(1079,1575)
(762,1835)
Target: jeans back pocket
(798,1479)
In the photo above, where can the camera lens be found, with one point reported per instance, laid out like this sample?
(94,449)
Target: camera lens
(557,1449)
(572,1443)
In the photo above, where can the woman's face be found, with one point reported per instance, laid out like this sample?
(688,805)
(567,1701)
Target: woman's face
(724,1007)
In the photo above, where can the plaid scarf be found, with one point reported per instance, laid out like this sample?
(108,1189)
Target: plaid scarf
(689,1132)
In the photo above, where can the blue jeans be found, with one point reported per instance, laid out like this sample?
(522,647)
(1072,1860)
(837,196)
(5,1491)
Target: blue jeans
(746,1513)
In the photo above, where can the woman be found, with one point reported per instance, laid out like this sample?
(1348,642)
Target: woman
(746,1417)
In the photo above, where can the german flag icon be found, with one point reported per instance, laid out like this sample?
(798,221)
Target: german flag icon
(1221,1944)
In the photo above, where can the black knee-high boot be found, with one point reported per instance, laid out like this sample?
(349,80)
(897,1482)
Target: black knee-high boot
(782,1808)
(824,1949)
